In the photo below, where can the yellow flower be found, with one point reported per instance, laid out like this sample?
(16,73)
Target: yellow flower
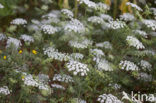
(34,51)
(20,51)
(23,77)
(0,51)
(4,57)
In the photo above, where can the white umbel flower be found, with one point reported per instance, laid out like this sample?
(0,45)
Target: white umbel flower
(108,98)
(74,26)
(68,13)
(89,3)
(95,20)
(104,65)
(132,41)
(4,90)
(80,44)
(77,68)
(27,38)
(106,17)
(77,56)
(127,17)
(142,33)
(128,65)
(116,24)
(48,29)
(14,41)
(97,52)
(145,77)
(134,6)
(58,86)
(43,78)
(150,24)
(2,36)
(1,6)
(63,78)
(102,7)
(54,54)
(145,65)
(19,21)
(115,86)
(106,45)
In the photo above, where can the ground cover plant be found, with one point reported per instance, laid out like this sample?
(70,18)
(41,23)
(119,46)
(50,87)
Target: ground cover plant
(77,51)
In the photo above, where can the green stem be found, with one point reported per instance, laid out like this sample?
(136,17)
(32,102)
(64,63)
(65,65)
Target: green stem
(76,9)
(115,8)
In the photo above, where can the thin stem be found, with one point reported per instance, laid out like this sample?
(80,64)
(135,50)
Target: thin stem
(76,9)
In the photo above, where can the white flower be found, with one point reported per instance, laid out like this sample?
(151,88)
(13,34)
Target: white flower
(14,41)
(68,13)
(115,86)
(150,23)
(128,65)
(106,17)
(127,17)
(132,41)
(48,29)
(63,78)
(27,38)
(97,52)
(145,65)
(89,3)
(2,36)
(75,26)
(142,33)
(80,44)
(95,19)
(57,86)
(145,77)
(50,15)
(104,65)
(43,78)
(108,98)
(76,56)
(134,6)
(19,21)
(77,68)
(116,24)
(153,10)
(1,6)
(54,54)
(106,45)
(151,52)
(4,90)
(102,7)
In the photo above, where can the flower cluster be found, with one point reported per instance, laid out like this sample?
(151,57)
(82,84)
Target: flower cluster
(145,77)
(145,65)
(27,38)
(150,23)
(75,26)
(68,13)
(89,3)
(17,43)
(95,19)
(58,86)
(54,54)
(132,41)
(116,24)
(115,86)
(48,29)
(43,78)
(106,17)
(80,44)
(104,65)
(142,33)
(106,45)
(102,7)
(2,36)
(77,68)
(76,56)
(128,65)
(97,52)
(108,98)
(127,17)
(19,21)
(134,6)
(1,6)
(4,90)
(62,78)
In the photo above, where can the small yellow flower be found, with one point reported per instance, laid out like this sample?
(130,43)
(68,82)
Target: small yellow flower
(34,51)
(23,77)
(20,51)
(4,57)
(0,51)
